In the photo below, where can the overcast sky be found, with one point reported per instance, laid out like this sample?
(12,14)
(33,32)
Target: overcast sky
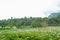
(22,8)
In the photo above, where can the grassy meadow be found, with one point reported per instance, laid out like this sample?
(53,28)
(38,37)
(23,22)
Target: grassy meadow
(43,33)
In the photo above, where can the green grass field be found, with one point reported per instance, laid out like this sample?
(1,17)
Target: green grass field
(43,33)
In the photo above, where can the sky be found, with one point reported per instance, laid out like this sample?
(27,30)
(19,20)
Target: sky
(28,8)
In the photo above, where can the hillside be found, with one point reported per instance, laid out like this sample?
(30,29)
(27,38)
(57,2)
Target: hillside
(54,15)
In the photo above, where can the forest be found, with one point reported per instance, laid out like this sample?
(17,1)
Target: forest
(31,21)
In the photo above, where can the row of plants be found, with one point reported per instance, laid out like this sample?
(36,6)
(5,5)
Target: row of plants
(33,35)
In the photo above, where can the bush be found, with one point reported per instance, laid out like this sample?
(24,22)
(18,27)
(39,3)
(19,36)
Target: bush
(36,24)
(30,36)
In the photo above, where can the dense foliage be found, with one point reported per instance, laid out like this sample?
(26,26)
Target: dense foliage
(55,21)
(31,34)
(32,21)
(18,22)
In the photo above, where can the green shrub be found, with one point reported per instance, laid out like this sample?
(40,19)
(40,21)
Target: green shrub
(30,35)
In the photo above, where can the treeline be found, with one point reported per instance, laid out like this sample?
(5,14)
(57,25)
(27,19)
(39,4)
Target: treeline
(31,21)
(18,22)
(54,21)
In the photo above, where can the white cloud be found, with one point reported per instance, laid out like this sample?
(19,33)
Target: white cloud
(21,8)
(7,1)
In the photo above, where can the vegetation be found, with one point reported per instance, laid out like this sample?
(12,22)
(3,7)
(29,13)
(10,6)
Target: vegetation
(54,21)
(32,28)
(18,22)
(48,33)
(54,14)
(32,21)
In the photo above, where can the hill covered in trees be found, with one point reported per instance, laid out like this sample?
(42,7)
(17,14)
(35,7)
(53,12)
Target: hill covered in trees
(53,15)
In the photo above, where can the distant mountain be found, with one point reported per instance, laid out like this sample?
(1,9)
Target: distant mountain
(53,15)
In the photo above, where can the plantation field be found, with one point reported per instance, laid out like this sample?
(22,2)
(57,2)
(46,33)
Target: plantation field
(43,33)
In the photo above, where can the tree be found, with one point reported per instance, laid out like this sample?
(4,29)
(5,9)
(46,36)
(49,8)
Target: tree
(36,23)
(3,23)
(10,22)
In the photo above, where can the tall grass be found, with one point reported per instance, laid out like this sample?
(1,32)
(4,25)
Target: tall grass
(48,33)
